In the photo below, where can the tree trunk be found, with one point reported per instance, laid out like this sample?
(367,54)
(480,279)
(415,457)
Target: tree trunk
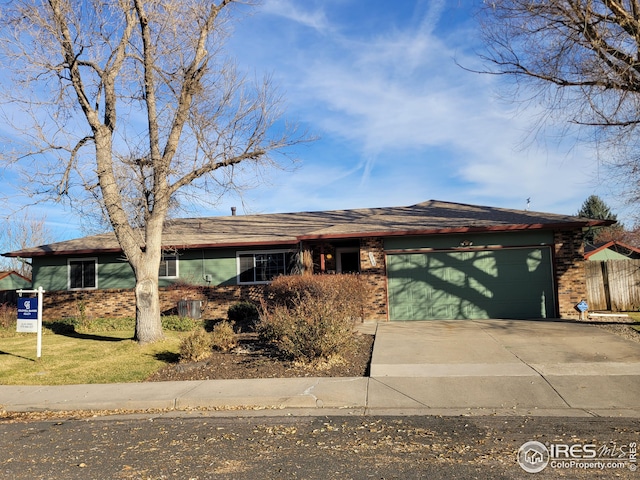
(148,322)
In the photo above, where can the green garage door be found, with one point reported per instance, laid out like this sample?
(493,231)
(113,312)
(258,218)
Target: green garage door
(506,283)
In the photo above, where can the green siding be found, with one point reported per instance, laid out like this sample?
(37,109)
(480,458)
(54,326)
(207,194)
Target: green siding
(52,272)
(49,273)
(195,264)
(504,283)
(14,282)
(114,272)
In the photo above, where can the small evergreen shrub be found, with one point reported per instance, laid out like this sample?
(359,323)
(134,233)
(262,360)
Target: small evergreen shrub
(196,346)
(244,315)
(223,337)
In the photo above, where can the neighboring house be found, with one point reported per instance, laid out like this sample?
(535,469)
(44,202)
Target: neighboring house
(612,250)
(13,281)
(433,260)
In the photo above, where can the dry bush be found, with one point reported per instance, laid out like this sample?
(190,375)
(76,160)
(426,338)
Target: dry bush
(196,346)
(223,337)
(349,293)
(310,330)
(312,317)
(8,315)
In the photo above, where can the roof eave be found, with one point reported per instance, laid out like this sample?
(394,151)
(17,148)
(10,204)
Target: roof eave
(453,230)
(97,251)
(43,253)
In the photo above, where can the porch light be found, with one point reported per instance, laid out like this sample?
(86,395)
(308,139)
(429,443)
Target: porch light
(466,243)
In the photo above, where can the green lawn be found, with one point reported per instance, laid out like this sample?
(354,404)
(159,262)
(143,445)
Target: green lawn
(71,357)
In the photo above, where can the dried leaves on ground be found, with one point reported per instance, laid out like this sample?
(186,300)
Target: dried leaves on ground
(255,359)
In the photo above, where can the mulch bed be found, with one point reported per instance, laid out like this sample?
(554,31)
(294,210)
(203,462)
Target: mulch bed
(254,359)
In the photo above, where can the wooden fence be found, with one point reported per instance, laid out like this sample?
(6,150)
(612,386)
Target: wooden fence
(613,285)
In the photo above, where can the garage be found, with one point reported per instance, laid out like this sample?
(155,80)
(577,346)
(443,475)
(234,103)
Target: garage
(513,283)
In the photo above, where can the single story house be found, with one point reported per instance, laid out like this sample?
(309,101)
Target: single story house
(433,260)
(612,250)
(12,280)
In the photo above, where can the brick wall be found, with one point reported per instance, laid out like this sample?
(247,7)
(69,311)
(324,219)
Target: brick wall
(94,303)
(375,276)
(121,303)
(570,272)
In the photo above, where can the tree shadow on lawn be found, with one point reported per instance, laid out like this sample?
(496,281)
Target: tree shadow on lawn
(68,330)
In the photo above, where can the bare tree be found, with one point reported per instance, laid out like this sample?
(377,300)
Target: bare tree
(133,103)
(581,60)
(19,232)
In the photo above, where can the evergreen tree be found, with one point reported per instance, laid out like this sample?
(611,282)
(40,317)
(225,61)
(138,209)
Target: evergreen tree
(594,207)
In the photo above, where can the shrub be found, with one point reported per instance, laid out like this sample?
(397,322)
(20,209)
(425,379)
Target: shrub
(244,315)
(308,330)
(196,346)
(348,293)
(106,324)
(312,317)
(8,315)
(177,323)
(223,337)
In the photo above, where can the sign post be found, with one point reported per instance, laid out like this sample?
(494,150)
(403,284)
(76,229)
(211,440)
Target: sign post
(30,316)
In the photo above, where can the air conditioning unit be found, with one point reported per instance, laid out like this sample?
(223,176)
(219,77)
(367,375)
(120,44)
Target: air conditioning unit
(190,308)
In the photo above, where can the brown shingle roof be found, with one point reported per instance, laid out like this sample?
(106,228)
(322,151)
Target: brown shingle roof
(429,217)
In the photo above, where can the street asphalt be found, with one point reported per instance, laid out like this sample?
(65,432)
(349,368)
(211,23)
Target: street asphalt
(470,367)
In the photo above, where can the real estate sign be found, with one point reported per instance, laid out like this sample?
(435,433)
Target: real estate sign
(27,315)
(30,315)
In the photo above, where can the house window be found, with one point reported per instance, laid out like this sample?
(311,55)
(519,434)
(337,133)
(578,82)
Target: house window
(263,266)
(168,266)
(83,273)
(348,260)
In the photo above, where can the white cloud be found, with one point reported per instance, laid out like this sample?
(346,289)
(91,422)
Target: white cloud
(294,12)
(400,91)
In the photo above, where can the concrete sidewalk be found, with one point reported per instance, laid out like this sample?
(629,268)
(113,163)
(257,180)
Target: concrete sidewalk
(496,367)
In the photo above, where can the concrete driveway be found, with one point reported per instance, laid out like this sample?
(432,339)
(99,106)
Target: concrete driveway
(528,367)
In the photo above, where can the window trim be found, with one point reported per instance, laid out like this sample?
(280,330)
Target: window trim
(175,256)
(82,259)
(258,252)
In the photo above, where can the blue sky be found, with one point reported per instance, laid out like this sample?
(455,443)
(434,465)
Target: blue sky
(398,120)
